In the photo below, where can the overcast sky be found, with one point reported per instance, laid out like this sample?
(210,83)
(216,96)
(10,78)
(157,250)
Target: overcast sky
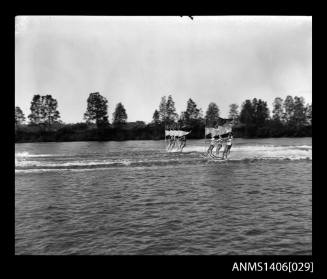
(137,60)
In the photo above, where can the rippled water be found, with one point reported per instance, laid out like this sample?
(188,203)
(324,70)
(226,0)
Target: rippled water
(134,198)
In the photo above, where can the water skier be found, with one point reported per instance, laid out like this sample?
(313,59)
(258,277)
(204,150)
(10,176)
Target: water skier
(228,146)
(219,145)
(211,146)
(182,143)
(173,140)
(178,142)
(170,142)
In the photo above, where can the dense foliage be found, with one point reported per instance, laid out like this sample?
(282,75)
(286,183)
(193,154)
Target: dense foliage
(19,116)
(43,110)
(120,115)
(290,118)
(212,115)
(96,110)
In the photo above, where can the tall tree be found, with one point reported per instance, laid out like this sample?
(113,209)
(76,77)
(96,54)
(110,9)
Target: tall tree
(261,113)
(171,115)
(247,118)
(192,117)
(247,113)
(182,119)
(254,108)
(163,109)
(309,113)
(254,115)
(233,113)
(277,125)
(212,115)
(278,111)
(192,112)
(19,116)
(36,108)
(50,112)
(97,109)
(288,109)
(299,115)
(120,115)
(43,110)
(156,117)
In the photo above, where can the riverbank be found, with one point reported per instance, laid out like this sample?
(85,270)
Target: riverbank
(141,131)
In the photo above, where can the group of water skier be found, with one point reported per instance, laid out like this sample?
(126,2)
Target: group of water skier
(176,141)
(218,141)
(179,142)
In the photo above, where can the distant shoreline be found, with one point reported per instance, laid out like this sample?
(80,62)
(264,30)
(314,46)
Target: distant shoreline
(140,131)
(49,141)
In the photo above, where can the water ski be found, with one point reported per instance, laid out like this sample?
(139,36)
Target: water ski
(212,157)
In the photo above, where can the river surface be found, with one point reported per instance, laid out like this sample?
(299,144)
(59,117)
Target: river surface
(133,197)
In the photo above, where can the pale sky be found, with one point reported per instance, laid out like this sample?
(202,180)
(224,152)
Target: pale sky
(137,60)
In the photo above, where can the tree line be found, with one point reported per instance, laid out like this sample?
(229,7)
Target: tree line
(290,117)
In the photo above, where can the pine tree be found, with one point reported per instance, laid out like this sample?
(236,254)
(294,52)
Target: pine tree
(278,111)
(120,115)
(193,116)
(192,112)
(212,115)
(36,108)
(163,109)
(288,109)
(156,117)
(254,108)
(299,115)
(261,113)
(233,113)
(247,113)
(171,115)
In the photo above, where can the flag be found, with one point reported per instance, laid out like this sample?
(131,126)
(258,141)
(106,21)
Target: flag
(224,127)
(223,121)
(221,130)
(177,133)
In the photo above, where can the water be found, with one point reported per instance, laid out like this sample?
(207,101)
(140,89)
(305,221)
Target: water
(134,198)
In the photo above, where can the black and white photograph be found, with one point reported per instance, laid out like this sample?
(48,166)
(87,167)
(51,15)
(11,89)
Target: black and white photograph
(163,135)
